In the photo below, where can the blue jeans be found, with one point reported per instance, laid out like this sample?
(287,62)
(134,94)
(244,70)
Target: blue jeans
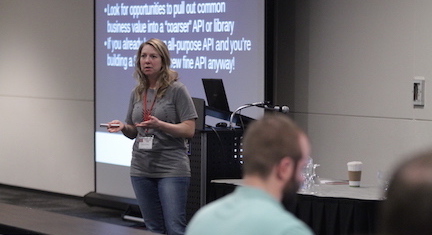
(162,202)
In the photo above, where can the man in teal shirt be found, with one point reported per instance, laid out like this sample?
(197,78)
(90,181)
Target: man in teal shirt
(275,152)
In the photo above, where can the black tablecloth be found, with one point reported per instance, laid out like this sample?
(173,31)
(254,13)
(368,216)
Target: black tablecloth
(325,215)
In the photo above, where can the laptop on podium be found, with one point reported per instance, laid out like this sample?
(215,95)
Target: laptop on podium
(215,93)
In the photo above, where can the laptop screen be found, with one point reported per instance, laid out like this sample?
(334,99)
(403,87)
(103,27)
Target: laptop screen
(215,93)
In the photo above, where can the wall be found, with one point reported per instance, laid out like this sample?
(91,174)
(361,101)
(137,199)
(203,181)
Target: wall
(354,69)
(46,95)
(346,75)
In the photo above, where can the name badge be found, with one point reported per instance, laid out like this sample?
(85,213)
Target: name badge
(145,142)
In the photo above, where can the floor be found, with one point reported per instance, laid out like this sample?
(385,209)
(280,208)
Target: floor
(63,204)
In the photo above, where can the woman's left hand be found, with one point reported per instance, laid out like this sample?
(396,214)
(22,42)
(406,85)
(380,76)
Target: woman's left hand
(153,123)
(185,129)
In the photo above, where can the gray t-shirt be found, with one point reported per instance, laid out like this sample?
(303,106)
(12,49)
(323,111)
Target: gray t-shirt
(168,156)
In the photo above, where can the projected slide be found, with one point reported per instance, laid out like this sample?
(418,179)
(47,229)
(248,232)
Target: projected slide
(206,39)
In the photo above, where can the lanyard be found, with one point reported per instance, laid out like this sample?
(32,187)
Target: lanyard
(147,112)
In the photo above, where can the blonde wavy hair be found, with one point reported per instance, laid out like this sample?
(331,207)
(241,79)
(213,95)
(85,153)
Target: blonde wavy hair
(166,75)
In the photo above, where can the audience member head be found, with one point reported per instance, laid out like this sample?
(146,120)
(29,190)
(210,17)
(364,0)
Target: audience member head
(270,141)
(408,207)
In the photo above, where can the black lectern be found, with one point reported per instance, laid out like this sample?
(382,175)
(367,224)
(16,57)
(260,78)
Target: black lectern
(215,153)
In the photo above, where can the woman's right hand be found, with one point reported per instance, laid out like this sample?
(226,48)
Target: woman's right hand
(118,128)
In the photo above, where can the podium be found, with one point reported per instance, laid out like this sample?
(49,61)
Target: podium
(215,153)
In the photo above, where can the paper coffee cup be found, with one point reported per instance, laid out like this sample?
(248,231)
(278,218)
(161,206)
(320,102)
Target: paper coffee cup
(354,173)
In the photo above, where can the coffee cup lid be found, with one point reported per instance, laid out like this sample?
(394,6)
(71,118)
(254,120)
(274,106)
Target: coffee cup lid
(354,163)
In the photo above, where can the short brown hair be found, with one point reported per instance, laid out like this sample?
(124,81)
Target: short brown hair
(267,141)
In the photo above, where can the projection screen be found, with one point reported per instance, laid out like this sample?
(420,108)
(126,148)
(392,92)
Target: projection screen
(206,39)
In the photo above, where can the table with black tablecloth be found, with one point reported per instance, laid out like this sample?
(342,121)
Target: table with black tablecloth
(333,208)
